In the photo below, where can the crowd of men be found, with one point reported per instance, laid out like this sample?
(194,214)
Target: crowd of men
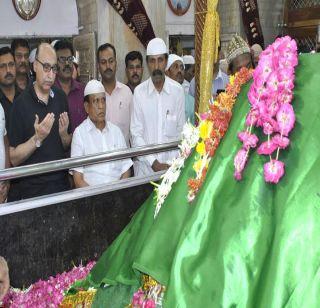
(47,114)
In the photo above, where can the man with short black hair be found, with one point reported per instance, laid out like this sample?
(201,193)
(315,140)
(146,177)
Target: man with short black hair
(118,95)
(8,89)
(158,111)
(21,50)
(175,70)
(41,130)
(72,88)
(134,69)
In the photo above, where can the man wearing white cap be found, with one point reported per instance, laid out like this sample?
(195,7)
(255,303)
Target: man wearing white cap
(175,70)
(189,64)
(95,135)
(158,111)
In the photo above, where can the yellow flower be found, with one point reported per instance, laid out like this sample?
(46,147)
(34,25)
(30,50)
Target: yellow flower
(197,166)
(232,79)
(205,129)
(201,148)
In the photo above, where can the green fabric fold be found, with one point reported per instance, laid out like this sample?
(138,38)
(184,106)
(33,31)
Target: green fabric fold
(239,244)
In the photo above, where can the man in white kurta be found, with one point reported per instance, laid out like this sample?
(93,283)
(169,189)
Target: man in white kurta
(95,135)
(158,111)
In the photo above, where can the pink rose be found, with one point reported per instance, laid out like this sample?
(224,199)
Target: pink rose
(240,161)
(273,171)
(280,141)
(248,140)
(149,303)
(285,119)
(266,148)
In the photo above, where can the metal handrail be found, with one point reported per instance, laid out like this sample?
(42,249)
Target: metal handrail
(89,191)
(68,163)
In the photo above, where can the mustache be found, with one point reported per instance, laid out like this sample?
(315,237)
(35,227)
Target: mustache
(157,73)
(135,75)
(66,68)
(9,75)
(108,70)
(23,64)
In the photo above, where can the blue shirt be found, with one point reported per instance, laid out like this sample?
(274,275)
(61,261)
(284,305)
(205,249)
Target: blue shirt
(219,83)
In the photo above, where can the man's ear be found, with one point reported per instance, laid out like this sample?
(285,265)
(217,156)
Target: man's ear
(86,107)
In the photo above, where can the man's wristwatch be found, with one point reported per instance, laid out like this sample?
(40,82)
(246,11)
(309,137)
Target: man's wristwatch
(37,142)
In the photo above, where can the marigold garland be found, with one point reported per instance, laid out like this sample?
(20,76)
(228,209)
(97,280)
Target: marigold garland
(213,126)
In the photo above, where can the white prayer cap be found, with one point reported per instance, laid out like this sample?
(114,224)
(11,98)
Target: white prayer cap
(94,87)
(188,59)
(156,47)
(53,43)
(32,56)
(173,58)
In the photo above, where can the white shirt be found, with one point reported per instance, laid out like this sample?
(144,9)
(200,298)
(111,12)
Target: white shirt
(119,105)
(156,118)
(3,132)
(186,86)
(219,83)
(87,139)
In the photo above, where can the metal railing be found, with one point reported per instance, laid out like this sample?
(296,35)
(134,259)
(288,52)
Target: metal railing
(79,193)
(69,163)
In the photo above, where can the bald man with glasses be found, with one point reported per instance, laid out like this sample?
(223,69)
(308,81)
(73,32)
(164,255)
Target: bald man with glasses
(42,130)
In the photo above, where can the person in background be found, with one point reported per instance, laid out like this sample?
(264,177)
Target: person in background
(96,135)
(256,50)
(118,95)
(41,130)
(219,83)
(4,278)
(4,156)
(72,88)
(21,50)
(223,66)
(238,55)
(76,70)
(175,70)
(158,111)
(32,58)
(189,69)
(8,88)
(134,69)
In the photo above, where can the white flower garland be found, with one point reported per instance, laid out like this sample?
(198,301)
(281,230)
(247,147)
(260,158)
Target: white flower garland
(190,137)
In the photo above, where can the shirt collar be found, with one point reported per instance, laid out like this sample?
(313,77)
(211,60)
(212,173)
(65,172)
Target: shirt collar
(90,126)
(166,86)
(34,94)
(219,76)
(75,85)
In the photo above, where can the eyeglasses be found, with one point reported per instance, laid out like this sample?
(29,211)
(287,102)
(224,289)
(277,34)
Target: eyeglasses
(63,59)
(47,67)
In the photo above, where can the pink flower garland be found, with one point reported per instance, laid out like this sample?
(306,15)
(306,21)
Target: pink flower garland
(48,293)
(270,98)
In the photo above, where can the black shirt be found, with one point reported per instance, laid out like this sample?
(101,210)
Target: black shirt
(7,105)
(25,107)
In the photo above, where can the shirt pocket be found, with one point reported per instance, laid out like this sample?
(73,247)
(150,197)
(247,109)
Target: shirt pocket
(171,126)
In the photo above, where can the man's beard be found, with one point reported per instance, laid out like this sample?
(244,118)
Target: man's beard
(157,76)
